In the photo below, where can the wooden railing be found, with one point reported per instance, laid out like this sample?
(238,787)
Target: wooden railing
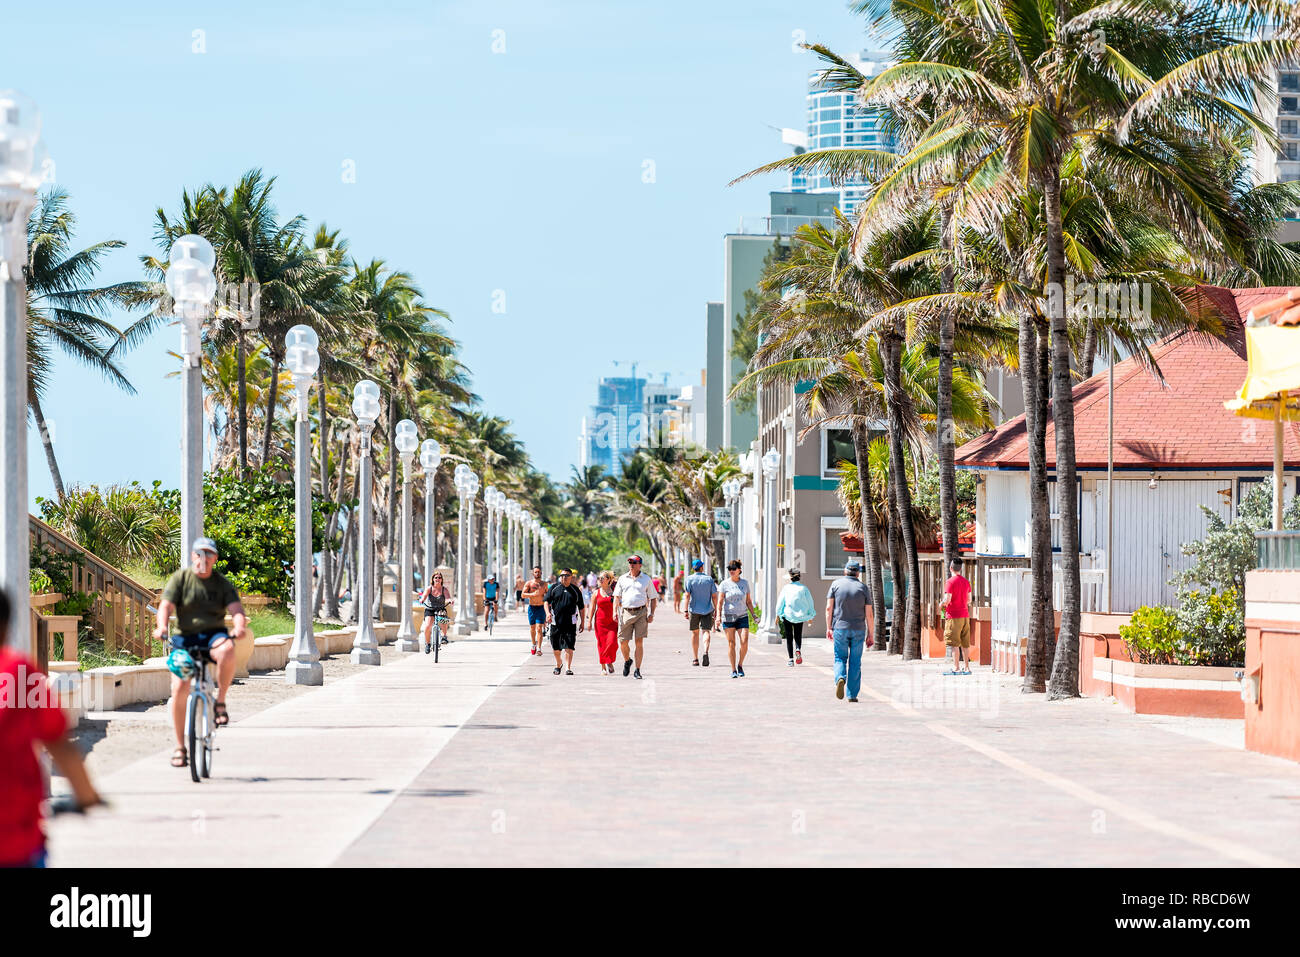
(120,614)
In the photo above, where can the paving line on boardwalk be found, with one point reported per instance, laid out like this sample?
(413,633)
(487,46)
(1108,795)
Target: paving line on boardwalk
(1152,822)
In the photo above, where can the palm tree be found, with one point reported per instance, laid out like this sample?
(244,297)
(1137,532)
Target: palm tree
(65,312)
(586,487)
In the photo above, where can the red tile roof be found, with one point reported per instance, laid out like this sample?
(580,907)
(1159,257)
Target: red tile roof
(1178,424)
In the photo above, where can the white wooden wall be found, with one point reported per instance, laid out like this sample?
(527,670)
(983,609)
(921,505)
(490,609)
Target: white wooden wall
(1151,526)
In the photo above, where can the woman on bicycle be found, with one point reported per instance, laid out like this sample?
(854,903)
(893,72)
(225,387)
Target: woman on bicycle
(435,598)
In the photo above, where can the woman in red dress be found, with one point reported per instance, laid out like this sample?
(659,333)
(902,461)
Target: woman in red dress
(602,622)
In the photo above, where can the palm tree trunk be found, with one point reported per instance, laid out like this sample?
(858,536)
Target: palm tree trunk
(243,405)
(944,425)
(1089,356)
(48,444)
(897,607)
(870,533)
(392,465)
(1065,666)
(332,598)
(1036,670)
(271,398)
(895,399)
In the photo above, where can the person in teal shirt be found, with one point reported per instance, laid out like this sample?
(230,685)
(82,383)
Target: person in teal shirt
(489,597)
(794,607)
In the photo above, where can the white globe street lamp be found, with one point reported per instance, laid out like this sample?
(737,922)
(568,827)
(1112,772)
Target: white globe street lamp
(731,492)
(430,459)
(407,439)
(467,620)
(365,649)
(512,559)
(21,174)
(302,359)
(771,465)
(191,285)
(489,554)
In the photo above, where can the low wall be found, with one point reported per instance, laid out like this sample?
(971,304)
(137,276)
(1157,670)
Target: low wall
(1271,688)
(981,635)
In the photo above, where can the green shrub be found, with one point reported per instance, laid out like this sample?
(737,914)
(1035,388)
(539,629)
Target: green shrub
(1152,635)
(1206,630)
(40,582)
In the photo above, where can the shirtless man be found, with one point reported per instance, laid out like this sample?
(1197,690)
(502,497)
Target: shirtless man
(535,595)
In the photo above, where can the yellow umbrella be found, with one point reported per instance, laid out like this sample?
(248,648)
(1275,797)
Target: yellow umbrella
(1272,387)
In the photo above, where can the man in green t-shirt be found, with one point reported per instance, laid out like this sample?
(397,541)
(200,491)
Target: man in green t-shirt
(201,597)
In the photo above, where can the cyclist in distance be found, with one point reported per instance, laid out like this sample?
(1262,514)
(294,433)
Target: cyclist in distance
(490,590)
(201,597)
(436,600)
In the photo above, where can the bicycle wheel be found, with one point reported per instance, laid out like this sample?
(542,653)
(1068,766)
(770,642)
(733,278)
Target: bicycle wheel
(436,637)
(205,741)
(492,619)
(193,716)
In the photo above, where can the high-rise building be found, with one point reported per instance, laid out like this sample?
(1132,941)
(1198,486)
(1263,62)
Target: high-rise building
(836,122)
(617,423)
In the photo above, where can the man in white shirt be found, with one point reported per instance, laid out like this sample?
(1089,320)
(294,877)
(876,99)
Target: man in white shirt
(634,609)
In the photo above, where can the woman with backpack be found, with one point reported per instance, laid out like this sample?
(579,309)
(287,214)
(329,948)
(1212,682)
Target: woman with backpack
(436,601)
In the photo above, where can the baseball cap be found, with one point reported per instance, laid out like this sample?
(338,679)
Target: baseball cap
(634,558)
(697,564)
(852,566)
(205,545)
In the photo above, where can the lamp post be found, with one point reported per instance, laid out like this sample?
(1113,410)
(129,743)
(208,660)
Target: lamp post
(430,459)
(365,406)
(490,509)
(499,507)
(458,480)
(467,486)
(771,463)
(191,285)
(731,493)
(512,516)
(302,358)
(407,439)
(20,177)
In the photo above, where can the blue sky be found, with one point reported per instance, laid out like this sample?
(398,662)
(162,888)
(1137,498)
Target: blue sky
(519,171)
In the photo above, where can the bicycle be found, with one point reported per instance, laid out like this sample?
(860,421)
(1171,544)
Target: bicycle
(200,725)
(491,616)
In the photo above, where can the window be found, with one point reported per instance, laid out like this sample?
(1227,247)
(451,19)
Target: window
(833,554)
(1289,127)
(837,446)
(1288,104)
(1289,81)
(830,115)
(1054,510)
(1289,149)
(832,127)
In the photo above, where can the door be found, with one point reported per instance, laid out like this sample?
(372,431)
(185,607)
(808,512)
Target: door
(1151,527)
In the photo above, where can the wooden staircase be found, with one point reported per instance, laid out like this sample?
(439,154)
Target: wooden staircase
(120,614)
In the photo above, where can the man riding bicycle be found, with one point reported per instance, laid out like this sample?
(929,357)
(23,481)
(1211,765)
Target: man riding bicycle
(490,590)
(201,597)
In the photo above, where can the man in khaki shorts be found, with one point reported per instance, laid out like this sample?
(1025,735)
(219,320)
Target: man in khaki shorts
(956,630)
(634,608)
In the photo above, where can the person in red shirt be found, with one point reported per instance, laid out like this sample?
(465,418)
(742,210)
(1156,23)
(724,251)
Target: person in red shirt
(29,715)
(956,630)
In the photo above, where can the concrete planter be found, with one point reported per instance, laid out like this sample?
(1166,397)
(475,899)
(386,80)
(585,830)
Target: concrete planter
(270,653)
(1196,691)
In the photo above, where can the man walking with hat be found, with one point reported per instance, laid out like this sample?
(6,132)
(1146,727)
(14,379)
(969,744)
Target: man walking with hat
(634,608)
(850,620)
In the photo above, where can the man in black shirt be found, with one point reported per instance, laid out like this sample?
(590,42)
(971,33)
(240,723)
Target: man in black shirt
(564,614)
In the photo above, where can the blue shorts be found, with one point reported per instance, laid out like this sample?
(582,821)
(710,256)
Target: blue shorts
(536,614)
(742,622)
(200,639)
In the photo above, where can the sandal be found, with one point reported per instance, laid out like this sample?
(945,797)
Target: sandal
(696,661)
(220,717)
(180,758)
(568,671)
(557,671)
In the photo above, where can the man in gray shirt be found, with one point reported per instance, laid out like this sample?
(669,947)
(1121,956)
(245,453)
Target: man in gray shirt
(850,620)
(701,606)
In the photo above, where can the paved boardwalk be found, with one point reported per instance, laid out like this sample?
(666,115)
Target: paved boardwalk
(489,759)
